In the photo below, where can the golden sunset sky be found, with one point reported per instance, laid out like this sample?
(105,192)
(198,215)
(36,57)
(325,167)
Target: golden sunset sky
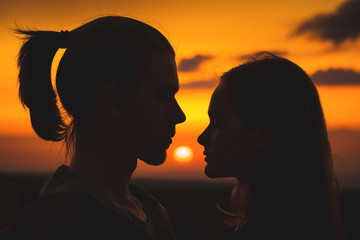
(209,37)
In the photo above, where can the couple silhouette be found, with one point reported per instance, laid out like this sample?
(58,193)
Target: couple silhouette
(114,103)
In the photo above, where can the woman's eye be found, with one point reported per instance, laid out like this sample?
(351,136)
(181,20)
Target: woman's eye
(215,122)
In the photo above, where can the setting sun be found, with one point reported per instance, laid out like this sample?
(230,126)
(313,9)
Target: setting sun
(183,154)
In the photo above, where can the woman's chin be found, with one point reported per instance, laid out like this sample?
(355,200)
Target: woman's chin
(210,173)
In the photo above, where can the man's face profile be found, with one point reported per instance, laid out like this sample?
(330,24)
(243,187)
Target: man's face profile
(156,111)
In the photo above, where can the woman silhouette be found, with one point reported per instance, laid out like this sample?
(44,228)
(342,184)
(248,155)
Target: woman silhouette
(267,129)
(116,83)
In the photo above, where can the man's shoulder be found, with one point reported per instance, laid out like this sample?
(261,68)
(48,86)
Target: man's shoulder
(141,193)
(149,201)
(155,210)
(69,212)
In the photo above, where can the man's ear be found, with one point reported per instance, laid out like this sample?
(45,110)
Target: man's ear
(266,134)
(115,100)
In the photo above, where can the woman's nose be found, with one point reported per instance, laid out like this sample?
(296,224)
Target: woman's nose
(202,139)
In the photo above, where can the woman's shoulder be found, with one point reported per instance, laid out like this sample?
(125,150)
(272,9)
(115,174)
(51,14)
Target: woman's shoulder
(74,213)
(266,227)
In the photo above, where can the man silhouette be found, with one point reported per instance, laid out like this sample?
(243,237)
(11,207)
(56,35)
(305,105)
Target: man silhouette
(117,82)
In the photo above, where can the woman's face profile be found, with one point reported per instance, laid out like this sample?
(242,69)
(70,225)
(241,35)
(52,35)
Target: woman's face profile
(229,142)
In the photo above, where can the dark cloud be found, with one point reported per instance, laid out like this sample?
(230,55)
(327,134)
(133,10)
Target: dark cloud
(200,84)
(341,25)
(192,64)
(246,57)
(336,77)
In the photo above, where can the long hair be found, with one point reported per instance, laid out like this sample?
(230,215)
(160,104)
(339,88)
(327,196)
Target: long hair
(297,182)
(107,48)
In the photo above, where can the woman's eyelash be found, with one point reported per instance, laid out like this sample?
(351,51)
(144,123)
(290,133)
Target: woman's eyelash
(215,122)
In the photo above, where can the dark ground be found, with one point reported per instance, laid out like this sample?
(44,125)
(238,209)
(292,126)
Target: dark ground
(190,204)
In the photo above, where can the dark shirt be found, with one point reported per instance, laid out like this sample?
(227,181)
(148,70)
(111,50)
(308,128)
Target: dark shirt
(70,207)
(266,227)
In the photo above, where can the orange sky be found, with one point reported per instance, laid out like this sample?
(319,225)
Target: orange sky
(223,30)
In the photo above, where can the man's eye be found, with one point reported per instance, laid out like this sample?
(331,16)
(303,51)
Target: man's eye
(166,97)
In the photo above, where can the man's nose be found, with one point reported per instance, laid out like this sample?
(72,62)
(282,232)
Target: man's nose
(179,114)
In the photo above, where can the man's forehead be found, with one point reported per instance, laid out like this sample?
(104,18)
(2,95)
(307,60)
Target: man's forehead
(168,80)
(160,74)
(168,85)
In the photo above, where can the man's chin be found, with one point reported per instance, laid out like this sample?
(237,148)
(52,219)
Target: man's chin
(154,159)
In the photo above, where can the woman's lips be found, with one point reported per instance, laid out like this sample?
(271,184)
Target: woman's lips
(206,155)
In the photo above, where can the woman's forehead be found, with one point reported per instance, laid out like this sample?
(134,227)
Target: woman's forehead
(218,97)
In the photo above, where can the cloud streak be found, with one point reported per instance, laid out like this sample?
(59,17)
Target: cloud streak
(336,77)
(330,77)
(339,26)
(192,64)
(200,84)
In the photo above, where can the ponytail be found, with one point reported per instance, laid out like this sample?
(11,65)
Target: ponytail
(104,49)
(36,91)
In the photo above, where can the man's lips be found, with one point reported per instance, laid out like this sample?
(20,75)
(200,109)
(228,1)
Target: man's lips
(168,143)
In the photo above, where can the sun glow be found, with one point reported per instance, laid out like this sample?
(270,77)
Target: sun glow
(183,154)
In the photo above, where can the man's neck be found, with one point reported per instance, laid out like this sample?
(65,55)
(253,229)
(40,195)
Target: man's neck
(114,180)
(106,166)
